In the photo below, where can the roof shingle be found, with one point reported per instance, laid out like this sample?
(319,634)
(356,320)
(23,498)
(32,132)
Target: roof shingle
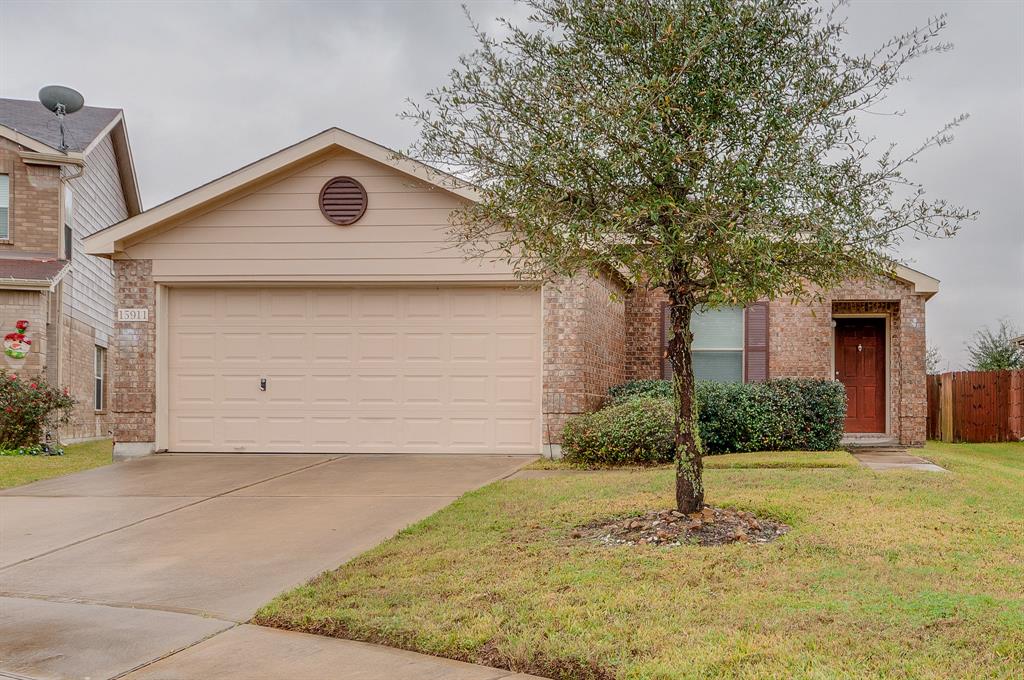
(32,119)
(30,269)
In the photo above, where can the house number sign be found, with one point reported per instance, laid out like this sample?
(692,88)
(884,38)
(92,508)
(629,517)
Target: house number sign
(133,315)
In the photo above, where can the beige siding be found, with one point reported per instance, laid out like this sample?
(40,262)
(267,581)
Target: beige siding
(98,203)
(278,233)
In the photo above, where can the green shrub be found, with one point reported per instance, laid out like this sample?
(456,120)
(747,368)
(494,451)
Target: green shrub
(637,432)
(632,389)
(29,407)
(787,414)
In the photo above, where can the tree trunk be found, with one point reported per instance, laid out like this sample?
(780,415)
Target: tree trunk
(688,452)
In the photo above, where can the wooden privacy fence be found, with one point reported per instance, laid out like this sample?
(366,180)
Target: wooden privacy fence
(976,406)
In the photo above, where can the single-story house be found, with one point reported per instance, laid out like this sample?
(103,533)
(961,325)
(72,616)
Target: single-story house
(312,302)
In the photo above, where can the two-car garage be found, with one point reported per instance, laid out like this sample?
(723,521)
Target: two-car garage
(354,369)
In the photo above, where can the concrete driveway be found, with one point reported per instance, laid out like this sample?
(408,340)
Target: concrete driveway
(120,568)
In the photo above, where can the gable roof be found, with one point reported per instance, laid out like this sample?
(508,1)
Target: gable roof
(109,241)
(923,284)
(31,125)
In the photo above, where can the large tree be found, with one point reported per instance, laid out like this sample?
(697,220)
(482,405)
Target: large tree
(707,147)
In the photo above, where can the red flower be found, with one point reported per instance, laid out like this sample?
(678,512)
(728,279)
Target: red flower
(21,325)
(13,376)
(12,336)
(33,385)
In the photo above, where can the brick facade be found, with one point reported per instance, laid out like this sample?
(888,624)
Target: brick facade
(801,342)
(78,374)
(31,306)
(34,214)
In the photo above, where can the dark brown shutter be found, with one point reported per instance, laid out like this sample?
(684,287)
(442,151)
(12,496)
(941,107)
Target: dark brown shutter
(666,323)
(755,344)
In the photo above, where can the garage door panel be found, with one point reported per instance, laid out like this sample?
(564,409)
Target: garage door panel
(331,347)
(355,370)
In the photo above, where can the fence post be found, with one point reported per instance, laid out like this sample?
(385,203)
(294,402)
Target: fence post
(946,406)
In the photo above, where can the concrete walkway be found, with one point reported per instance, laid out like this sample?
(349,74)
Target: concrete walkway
(892,458)
(149,569)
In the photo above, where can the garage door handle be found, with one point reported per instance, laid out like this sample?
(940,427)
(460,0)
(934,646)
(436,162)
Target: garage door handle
(263,384)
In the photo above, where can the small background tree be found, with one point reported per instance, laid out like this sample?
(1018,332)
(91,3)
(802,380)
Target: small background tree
(995,350)
(707,148)
(933,360)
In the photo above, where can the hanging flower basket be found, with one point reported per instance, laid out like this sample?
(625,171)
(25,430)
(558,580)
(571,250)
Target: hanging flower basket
(16,344)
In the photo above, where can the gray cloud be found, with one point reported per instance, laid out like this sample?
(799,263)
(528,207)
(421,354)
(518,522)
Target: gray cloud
(208,87)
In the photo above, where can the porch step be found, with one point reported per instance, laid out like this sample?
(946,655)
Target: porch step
(856,441)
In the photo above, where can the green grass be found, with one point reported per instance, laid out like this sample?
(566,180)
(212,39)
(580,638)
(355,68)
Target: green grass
(18,470)
(896,574)
(761,459)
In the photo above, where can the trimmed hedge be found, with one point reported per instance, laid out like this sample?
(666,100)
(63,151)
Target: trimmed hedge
(636,432)
(787,414)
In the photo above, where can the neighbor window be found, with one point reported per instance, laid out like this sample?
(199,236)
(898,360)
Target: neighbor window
(5,207)
(101,367)
(69,208)
(717,348)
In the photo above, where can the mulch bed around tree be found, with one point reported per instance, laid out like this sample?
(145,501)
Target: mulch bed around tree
(670,528)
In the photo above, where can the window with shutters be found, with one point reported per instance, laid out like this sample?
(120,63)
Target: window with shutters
(730,344)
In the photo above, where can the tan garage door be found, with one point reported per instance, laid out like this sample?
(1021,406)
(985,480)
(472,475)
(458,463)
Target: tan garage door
(417,370)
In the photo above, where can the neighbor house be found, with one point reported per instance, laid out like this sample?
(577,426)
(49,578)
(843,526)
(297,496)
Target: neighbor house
(51,197)
(311,302)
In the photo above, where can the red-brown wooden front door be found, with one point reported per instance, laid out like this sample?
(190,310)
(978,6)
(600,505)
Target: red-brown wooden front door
(860,366)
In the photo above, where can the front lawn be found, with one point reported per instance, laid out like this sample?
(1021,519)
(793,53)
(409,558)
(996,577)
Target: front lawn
(18,470)
(759,459)
(884,574)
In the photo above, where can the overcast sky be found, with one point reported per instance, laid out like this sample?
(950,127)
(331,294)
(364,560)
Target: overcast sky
(207,87)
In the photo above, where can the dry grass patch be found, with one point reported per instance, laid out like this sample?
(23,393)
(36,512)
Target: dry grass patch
(885,574)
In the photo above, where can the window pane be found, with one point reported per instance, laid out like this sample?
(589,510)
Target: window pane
(5,204)
(99,394)
(720,328)
(718,366)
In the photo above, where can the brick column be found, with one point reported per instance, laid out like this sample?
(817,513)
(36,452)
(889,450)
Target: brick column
(133,362)
(913,406)
(584,347)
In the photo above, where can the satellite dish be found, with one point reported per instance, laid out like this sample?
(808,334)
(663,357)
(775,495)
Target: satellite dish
(61,100)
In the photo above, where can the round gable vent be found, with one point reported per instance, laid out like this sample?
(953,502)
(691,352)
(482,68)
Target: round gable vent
(343,200)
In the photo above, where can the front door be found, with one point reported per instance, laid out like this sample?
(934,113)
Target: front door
(860,366)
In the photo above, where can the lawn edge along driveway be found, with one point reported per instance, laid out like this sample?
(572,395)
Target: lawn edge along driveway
(897,573)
